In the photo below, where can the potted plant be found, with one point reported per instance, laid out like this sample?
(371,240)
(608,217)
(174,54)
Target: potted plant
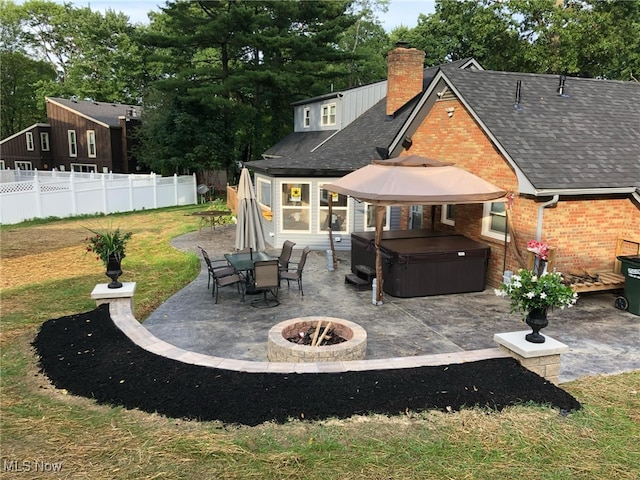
(534,295)
(109,245)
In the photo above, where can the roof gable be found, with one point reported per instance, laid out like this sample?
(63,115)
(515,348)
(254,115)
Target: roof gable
(105,113)
(588,138)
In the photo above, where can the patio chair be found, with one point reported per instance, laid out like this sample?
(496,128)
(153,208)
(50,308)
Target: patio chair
(216,267)
(236,279)
(296,273)
(266,277)
(285,254)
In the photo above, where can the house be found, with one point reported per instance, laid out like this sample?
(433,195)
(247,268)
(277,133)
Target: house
(80,136)
(567,150)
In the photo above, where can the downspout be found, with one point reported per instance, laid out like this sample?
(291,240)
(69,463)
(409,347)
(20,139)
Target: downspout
(541,208)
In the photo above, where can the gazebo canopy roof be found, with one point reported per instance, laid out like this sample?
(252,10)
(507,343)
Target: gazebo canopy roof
(415,180)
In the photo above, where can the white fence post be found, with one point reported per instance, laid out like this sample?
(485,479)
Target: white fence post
(72,189)
(155,189)
(38,193)
(175,188)
(131,192)
(105,207)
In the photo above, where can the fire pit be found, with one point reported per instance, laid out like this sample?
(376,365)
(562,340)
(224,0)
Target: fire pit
(282,350)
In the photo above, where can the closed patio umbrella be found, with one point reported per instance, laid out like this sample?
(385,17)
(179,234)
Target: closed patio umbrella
(249,232)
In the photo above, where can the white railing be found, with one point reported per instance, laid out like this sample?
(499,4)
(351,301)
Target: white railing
(33,194)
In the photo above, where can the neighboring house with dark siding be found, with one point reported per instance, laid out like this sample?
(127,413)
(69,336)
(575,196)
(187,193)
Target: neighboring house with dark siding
(79,136)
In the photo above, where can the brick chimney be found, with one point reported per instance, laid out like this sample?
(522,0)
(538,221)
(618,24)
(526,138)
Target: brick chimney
(404,78)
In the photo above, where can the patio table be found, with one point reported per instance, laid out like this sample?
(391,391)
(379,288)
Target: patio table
(244,262)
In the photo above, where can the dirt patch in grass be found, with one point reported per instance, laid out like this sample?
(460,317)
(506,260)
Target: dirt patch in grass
(87,355)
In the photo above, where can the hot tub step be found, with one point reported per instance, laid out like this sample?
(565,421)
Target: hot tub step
(354,279)
(366,273)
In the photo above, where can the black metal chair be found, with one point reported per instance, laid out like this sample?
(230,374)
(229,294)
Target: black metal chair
(296,273)
(285,254)
(216,268)
(267,279)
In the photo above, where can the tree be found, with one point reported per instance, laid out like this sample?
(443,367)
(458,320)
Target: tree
(235,66)
(21,78)
(95,55)
(590,38)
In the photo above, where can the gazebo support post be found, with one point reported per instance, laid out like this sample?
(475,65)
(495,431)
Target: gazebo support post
(329,222)
(380,211)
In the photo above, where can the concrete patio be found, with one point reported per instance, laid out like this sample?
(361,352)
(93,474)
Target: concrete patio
(602,339)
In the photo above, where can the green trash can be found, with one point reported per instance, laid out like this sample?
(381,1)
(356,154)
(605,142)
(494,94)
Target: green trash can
(631,270)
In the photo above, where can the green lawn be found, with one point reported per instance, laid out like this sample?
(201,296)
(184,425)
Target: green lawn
(45,274)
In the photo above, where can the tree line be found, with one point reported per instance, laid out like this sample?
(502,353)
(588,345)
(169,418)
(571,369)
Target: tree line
(216,78)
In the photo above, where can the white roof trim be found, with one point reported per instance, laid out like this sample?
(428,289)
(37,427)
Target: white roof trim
(24,130)
(524,185)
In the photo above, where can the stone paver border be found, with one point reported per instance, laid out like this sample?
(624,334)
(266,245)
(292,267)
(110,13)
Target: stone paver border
(121,313)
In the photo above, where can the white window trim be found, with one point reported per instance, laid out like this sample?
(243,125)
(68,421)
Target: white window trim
(306,118)
(345,224)
(44,141)
(30,145)
(78,167)
(259,182)
(443,216)
(325,120)
(91,142)
(284,208)
(387,223)
(73,143)
(2,167)
(18,163)
(486,224)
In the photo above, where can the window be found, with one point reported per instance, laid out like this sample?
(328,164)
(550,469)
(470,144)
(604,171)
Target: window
(338,211)
(370,217)
(20,165)
(2,167)
(296,207)
(83,167)
(44,141)
(415,217)
(264,192)
(328,114)
(307,117)
(29,137)
(73,145)
(448,214)
(494,220)
(91,143)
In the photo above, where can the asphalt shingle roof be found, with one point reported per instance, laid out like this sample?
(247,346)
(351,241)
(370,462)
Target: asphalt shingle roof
(104,112)
(589,138)
(365,139)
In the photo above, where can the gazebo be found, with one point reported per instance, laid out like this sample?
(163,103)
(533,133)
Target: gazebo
(410,180)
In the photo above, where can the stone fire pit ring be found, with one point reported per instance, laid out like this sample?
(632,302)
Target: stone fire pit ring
(282,350)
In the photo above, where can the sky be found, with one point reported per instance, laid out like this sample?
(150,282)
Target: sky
(401,12)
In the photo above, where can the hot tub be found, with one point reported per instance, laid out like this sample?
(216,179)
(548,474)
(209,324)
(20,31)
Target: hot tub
(417,263)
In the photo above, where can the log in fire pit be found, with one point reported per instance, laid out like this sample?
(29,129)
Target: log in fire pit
(281,349)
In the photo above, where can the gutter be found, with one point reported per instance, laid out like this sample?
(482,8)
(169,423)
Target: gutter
(541,208)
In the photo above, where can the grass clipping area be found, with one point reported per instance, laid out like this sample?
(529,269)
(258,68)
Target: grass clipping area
(41,425)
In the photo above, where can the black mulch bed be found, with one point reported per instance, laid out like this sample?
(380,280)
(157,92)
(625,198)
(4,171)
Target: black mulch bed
(87,355)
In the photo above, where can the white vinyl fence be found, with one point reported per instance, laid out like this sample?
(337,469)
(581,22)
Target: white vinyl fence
(28,194)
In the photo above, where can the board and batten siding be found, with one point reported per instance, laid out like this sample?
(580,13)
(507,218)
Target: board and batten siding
(350,104)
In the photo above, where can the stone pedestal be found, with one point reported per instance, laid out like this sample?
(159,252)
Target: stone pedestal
(102,294)
(540,358)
